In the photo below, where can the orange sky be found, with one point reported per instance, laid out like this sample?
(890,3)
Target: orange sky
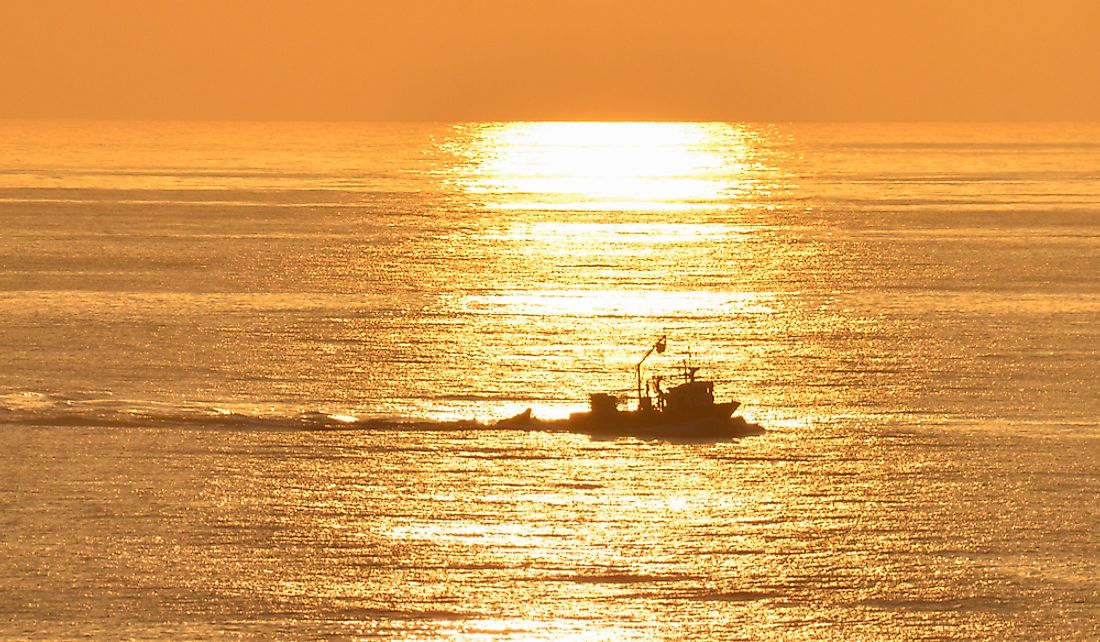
(559,59)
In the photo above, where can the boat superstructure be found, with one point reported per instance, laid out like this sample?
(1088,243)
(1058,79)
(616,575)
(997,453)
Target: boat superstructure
(686,410)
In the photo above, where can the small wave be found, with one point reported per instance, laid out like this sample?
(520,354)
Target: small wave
(627,578)
(733,596)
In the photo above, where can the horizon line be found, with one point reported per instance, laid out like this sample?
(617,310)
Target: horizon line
(468,121)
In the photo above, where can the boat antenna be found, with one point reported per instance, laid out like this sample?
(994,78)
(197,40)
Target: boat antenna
(659,348)
(689,370)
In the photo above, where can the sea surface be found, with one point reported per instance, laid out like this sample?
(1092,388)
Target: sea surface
(249,372)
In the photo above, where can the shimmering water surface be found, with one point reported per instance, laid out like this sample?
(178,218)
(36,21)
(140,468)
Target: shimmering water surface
(239,364)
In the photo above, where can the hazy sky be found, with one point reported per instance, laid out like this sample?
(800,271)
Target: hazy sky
(559,59)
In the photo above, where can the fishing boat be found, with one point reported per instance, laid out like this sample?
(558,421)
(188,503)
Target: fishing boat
(687,410)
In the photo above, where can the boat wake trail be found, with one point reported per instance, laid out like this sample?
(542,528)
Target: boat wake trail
(45,409)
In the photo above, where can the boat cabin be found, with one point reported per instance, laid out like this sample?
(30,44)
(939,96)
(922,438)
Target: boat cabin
(603,404)
(688,397)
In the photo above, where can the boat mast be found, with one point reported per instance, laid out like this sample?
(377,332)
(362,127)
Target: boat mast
(659,347)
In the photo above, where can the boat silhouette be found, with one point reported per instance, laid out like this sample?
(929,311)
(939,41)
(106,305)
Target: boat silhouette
(687,410)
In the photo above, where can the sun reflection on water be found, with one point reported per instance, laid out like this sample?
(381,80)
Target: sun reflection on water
(598,166)
(588,238)
(533,630)
(611,303)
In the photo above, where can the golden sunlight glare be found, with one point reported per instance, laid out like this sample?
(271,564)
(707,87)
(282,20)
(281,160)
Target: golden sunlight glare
(597,166)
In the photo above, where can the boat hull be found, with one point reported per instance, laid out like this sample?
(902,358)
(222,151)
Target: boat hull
(717,423)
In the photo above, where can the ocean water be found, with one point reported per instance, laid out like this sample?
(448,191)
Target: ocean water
(248,373)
